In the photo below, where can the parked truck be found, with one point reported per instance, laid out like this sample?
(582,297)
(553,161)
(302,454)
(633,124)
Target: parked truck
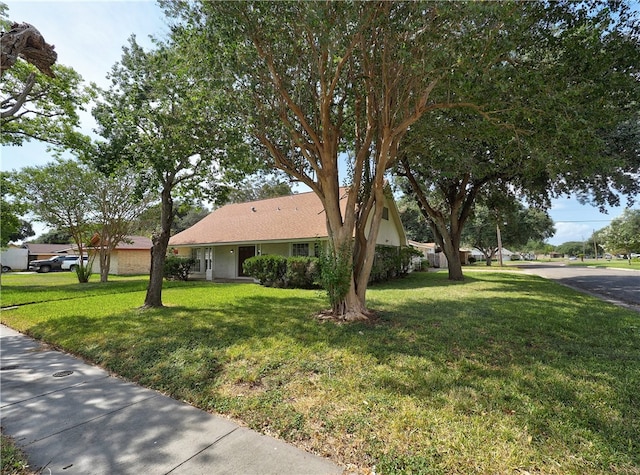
(14,258)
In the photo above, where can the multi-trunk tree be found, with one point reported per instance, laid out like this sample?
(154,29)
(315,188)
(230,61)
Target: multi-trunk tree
(318,79)
(58,194)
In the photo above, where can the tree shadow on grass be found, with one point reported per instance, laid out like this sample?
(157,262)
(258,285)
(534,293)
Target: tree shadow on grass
(565,366)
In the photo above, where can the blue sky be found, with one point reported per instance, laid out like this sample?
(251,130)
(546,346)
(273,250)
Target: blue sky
(89,35)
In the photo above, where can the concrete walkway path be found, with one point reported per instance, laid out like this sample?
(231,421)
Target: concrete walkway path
(73,418)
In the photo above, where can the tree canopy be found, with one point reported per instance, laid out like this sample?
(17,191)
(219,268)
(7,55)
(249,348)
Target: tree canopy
(622,236)
(40,99)
(173,129)
(537,116)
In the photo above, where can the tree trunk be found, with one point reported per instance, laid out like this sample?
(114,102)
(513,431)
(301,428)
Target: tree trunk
(452,251)
(160,242)
(105,263)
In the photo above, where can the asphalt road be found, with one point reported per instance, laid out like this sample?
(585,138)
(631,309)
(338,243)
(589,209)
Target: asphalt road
(618,286)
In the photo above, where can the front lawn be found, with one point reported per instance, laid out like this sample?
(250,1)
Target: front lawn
(613,263)
(504,373)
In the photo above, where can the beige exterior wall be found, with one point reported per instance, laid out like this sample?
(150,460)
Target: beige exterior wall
(278,248)
(130,262)
(388,233)
(225,262)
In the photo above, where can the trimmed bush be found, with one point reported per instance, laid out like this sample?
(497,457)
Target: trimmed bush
(177,268)
(270,270)
(302,272)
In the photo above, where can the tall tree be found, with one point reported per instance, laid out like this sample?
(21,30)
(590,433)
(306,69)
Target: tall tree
(59,194)
(314,79)
(623,234)
(172,129)
(117,207)
(515,224)
(259,188)
(547,108)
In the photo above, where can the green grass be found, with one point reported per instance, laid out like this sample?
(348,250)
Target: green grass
(12,460)
(614,263)
(504,373)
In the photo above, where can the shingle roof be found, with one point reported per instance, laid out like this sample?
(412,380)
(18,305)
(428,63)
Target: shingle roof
(35,248)
(299,216)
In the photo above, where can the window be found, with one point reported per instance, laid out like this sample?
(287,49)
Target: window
(197,255)
(300,249)
(385,213)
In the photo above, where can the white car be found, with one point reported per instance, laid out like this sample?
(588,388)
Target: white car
(71,262)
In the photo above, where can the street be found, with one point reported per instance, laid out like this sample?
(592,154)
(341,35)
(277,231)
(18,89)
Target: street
(619,286)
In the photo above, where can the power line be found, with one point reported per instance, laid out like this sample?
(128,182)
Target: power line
(587,221)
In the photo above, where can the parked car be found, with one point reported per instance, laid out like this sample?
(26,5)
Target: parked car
(71,262)
(47,265)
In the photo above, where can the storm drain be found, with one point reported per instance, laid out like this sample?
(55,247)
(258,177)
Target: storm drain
(62,374)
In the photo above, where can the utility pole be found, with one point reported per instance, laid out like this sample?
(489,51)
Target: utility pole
(499,243)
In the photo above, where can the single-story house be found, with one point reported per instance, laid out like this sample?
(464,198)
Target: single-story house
(132,256)
(435,256)
(45,251)
(288,226)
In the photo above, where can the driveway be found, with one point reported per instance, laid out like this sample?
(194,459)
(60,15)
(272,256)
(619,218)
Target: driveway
(618,286)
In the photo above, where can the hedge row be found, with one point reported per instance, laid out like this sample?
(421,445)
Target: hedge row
(304,272)
(279,271)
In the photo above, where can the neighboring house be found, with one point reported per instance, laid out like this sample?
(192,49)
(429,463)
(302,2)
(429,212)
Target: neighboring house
(288,226)
(435,256)
(45,251)
(132,256)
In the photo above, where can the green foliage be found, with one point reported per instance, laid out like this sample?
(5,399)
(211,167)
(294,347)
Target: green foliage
(11,208)
(302,272)
(391,262)
(84,271)
(13,461)
(259,187)
(335,274)
(269,269)
(623,234)
(448,370)
(50,111)
(177,268)
(571,248)
(54,236)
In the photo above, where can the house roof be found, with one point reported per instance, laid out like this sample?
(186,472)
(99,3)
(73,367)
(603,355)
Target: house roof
(135,243)
(299,216)
(52,249)
(131,243)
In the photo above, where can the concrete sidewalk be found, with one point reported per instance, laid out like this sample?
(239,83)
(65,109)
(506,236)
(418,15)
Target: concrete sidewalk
(74,418)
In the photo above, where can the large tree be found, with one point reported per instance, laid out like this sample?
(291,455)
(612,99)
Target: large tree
(546,112)
(315,79)
(622,236)
(172,129)
(117,206)
(510,222)
(59,194)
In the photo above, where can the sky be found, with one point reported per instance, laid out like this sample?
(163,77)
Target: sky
(89,35)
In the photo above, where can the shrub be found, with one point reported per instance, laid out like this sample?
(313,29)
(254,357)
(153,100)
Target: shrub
(335,275)
(177,268)
(270,270)
(302,272)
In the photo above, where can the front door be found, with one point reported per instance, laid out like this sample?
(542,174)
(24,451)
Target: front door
(244,253)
